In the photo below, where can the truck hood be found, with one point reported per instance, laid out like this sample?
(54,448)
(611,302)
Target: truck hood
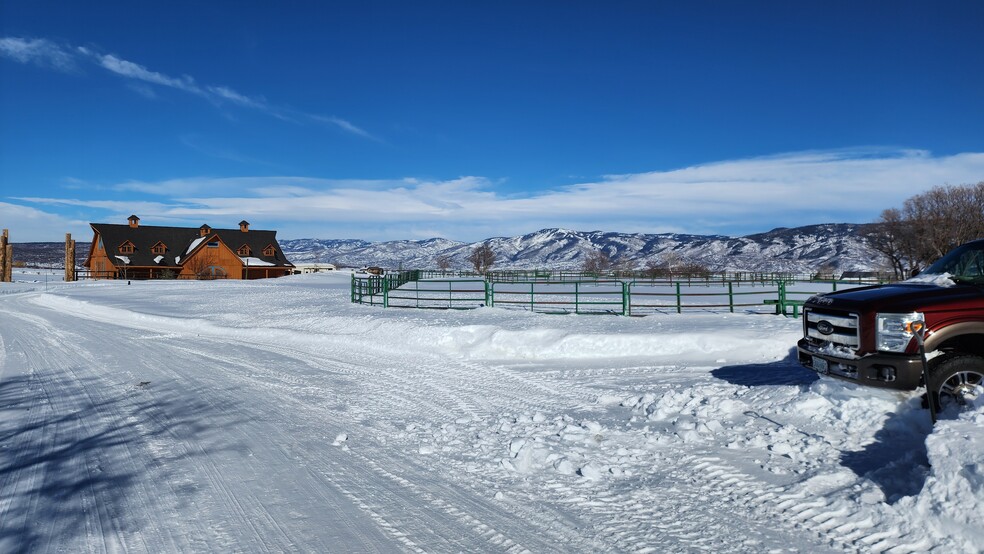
(899,297)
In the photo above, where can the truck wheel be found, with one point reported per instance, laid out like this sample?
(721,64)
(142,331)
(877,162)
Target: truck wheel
(956,380)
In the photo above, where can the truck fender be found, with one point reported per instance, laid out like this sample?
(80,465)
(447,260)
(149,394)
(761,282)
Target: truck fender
(938,337)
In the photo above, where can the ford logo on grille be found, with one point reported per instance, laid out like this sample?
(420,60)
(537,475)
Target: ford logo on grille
(825,327)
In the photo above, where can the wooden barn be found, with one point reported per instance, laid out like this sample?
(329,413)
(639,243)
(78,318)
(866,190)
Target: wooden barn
(150,252)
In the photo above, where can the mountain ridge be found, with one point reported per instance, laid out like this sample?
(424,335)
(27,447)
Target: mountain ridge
(835,246)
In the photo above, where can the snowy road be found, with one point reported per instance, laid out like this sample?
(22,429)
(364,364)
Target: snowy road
(275,416)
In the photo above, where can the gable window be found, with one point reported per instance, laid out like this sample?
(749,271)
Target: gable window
(213,244)
(245,250)
(159,248)
(270,251)
(126,248)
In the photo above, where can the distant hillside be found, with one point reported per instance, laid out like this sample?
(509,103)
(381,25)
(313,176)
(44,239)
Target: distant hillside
(838,246)
(47,254)
(802,249)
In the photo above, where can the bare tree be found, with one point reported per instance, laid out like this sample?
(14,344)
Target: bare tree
(671,260)
(656,269)
(693,269)
(596,262)
(826,270)
(202,265)
(928,226)
(624,264)
(443,262)
(895,240)
(946,217)
(482,258)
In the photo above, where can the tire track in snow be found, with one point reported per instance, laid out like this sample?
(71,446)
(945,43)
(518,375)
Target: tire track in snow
(25,439)
(684,508)
(249,508)
(434,523)
(714,481)
(833,522)
(428,387)
(462,386)
(373,368)
(105,410)
(103,414)
(66,417)
(403,492)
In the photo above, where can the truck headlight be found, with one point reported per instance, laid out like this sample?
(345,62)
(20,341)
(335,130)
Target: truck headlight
(894,331)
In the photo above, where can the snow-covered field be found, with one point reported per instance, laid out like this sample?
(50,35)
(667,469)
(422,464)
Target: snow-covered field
(276,416)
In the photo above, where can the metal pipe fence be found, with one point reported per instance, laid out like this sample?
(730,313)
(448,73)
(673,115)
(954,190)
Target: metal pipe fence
(588,295)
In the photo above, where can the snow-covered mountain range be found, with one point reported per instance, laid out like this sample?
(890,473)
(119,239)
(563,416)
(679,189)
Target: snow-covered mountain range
(840,247)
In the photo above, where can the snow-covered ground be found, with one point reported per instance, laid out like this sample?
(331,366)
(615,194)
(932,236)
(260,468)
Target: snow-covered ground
(276,416)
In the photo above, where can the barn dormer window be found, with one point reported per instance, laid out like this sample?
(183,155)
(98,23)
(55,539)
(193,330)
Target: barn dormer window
(245,250)
(270,251)
(159,248)
(126,248)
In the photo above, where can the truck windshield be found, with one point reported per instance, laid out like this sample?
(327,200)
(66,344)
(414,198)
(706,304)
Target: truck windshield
(965,264)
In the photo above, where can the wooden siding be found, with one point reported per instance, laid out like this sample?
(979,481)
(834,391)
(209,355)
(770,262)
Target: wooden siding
(220,261)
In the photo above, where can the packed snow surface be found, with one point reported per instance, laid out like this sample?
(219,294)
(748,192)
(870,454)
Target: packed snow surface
(938,279)
(276,416)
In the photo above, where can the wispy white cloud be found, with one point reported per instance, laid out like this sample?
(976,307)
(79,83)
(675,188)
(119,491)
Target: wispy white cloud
(143,90)
(227,93)
(38,51)
(28,224)
(730,197)
(343,124)
(45,53)
(118,206)
(136,71)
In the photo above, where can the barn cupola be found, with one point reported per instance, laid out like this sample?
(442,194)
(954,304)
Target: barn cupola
(204,230)
(134,221)
(244,226)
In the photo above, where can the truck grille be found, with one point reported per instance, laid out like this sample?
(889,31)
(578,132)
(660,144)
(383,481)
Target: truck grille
(838,328)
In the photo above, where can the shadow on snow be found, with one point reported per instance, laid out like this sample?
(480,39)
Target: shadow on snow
(896,460)
(71,454)
(786,372)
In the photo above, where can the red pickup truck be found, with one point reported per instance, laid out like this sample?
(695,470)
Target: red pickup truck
(866,335)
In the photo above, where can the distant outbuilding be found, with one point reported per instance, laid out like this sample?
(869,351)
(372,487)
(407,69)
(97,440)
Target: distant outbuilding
(313,268)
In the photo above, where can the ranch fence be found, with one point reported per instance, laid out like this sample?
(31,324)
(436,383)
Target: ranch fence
(583,293)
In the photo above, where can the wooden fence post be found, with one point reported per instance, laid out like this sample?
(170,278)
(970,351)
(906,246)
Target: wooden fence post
(69,258)
(5,254)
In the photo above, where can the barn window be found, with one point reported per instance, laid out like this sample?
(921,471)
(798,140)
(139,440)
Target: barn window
(245,250)
(126,248)
(159,248)
(270,251)
(213,244)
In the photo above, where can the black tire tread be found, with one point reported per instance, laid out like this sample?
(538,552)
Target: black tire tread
(943,367)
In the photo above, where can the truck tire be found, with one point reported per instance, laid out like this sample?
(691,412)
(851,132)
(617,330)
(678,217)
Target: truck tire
(955,380)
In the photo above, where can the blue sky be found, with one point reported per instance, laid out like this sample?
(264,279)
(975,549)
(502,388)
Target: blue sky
(466,120)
